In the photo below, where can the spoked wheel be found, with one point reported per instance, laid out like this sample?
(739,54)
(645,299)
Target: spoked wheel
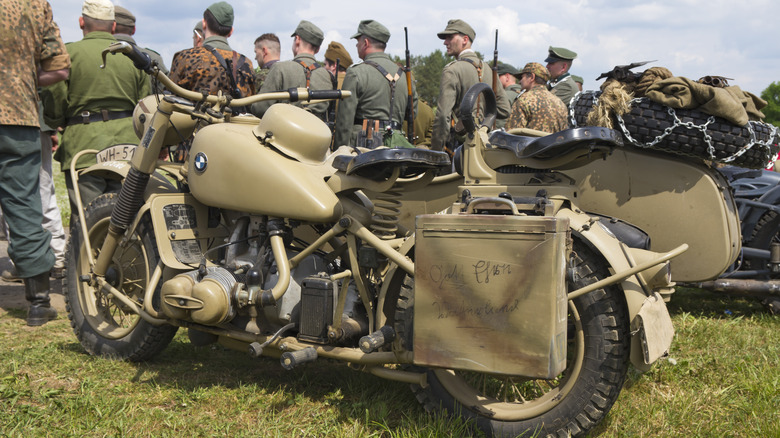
(570,404)
(102,323)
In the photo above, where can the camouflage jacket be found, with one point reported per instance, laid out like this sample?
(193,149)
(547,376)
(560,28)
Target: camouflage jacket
(29,39)
(198,69)
(538,109)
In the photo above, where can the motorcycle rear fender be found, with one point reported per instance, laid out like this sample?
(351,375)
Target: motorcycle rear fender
(651,326)
(117,170)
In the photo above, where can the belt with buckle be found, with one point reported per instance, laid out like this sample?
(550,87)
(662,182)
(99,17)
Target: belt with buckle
(87,117)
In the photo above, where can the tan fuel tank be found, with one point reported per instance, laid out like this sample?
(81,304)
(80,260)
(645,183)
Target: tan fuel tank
(231,168)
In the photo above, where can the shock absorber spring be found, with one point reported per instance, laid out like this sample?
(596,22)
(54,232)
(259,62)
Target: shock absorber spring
(387,209)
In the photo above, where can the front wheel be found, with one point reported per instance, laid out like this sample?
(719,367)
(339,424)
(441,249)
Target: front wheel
(103,325)
(570,404)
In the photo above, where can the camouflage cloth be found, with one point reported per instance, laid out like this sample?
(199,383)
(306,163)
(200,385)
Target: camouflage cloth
(30,39)
(261,73)
(198,69)
(538,109)
(564,88)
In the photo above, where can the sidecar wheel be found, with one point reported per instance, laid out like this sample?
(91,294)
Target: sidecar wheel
(103,325)
(569,405)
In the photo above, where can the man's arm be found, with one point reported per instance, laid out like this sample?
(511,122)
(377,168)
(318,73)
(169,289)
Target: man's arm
(346,115)
(446,103)
(46,78)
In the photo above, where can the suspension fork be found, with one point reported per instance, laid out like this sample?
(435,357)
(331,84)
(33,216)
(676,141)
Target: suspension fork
(131,196)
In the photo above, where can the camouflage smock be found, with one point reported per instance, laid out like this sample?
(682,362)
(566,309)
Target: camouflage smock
(538,109)
(30,39)
(198,69)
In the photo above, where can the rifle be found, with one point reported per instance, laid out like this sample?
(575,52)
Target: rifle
(409,102)
(495,69)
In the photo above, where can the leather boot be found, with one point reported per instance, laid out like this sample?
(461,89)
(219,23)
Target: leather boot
(36,290)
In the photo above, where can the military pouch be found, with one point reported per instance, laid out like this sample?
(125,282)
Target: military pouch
(370,137)
(396,139)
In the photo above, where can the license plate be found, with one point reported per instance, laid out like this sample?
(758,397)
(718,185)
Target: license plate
(120,152)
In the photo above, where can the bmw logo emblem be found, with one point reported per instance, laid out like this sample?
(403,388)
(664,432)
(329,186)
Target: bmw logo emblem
(200,162)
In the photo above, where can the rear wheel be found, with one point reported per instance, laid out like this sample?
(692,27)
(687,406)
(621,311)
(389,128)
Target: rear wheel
(568,405)
(104,325)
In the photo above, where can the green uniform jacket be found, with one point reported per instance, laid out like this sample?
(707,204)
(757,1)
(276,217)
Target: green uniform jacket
(564,88)
(512,92)
(370,97)
(456,78)
(154,56)
(290,74)
(118,87)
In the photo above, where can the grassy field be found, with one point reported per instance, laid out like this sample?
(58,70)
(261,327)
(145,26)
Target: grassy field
(722,380)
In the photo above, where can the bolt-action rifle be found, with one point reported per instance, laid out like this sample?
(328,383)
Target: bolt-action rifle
(495,68)
(410,101)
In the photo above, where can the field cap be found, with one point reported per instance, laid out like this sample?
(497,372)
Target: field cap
(98,9)
(457,26)
(372,29)
(559,54)
(222,12)
(503,68)
(337,51)
(309,33)
(538,69)
(123,16)
(578,79)
(198,29)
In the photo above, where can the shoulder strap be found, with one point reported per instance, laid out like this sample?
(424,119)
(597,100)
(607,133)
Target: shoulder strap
(478,67)
(307,69)
(390,78)
(231,72)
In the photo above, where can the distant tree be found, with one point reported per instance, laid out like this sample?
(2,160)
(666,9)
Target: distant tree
(772,110)
(427,74)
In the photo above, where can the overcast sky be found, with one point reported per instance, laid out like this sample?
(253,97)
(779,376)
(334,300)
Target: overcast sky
(692,38)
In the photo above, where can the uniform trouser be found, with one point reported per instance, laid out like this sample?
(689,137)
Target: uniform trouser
(52,219)
(20,199)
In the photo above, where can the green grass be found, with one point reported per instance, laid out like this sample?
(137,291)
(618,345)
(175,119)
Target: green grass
(723,380)
(62,193)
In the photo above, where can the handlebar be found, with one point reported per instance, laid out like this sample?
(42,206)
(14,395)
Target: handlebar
(142,62)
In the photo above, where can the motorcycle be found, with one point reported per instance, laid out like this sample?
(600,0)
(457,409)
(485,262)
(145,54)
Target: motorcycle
(514,309)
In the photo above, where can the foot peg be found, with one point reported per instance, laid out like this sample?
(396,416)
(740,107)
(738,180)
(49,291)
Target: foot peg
(292,359)
(376,340)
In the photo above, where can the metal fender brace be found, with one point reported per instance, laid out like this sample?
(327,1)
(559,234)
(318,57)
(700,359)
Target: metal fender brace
(641,274)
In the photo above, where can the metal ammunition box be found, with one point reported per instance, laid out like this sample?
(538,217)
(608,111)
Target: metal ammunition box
(490,293)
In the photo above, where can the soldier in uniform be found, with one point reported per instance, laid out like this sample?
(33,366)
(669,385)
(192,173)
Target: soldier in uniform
(214,66)
(267,52)
(302,72)
(561,83)
(508,77)
(31,54)
(537,108)
(379,92)
(95,106)
(125,29)
(336,51)
(457,77)
(579,81)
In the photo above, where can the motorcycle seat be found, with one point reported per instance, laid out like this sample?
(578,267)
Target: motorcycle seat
(378,164)
(558,144)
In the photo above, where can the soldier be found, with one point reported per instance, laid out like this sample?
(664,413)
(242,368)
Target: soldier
(197,34)
(537,108)
(302,72)
(379,93)
(508,77)
(337,51)
(457,77)
(579,81)
(561,84)
(31,53)
(267,51)
(214,66)
(95,106)
(125,29)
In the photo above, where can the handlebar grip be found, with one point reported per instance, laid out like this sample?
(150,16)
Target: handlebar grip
(324,94)
(141,60)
